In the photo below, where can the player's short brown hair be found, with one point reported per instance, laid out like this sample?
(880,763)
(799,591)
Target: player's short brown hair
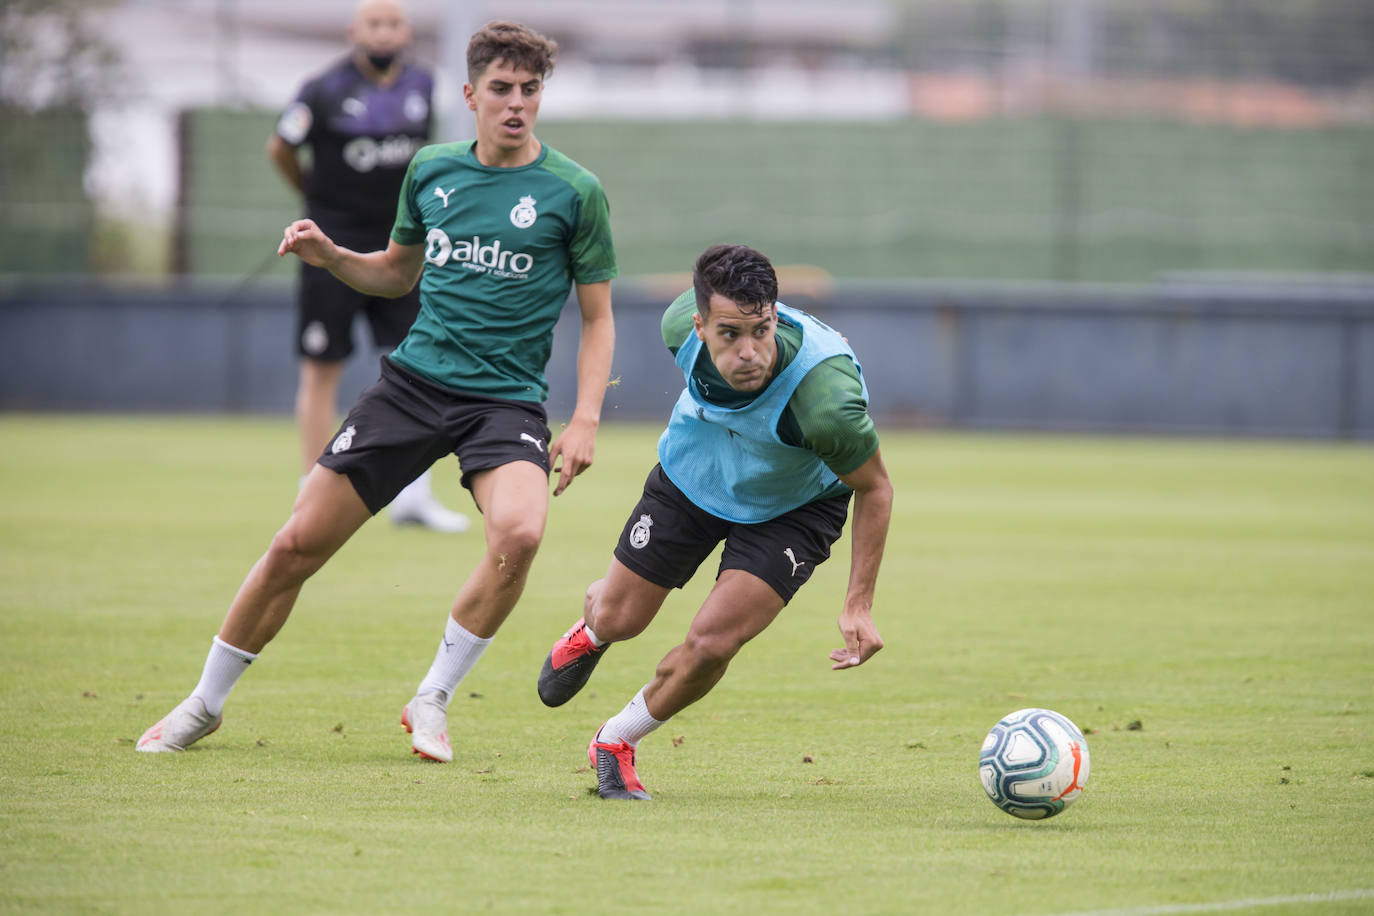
(513,43)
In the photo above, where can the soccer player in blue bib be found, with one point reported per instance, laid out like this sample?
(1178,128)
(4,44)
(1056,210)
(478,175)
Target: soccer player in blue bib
(362,119)
(496,230)
(767,444)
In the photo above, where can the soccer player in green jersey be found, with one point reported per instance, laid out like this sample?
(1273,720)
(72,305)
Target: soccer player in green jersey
(496,230)
(767,444)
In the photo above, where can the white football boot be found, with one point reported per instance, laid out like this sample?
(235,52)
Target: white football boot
(180,728)
(416,505)
(433,515)
(426,718)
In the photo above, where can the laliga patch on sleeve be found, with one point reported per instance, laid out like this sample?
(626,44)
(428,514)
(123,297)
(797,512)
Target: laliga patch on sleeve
(294,124)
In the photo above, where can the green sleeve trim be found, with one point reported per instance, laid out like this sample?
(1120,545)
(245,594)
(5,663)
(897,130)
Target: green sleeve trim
(677,321)
(592,249)
(832,415)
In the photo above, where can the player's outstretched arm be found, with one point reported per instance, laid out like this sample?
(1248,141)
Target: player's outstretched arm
(389,273)
(872,514)
(573,452)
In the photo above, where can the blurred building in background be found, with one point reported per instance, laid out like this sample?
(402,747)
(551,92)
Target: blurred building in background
(1009,139)
(1121,215)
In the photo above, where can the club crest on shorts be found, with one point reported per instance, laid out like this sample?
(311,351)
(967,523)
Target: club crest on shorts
(315,338)
(343,441)
(639,534)
(523,215)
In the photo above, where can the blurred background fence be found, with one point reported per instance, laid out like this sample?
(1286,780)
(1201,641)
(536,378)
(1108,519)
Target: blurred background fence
(1064,199)
(942,144)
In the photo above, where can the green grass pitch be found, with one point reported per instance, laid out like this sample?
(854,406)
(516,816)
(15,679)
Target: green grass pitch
(1204,609)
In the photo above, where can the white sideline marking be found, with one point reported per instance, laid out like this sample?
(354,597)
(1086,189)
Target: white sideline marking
(1168,908)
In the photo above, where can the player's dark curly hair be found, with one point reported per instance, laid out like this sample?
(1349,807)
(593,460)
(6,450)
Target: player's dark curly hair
(737,272)
(513,43)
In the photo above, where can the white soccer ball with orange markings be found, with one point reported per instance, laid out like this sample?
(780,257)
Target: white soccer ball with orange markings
(1034,763)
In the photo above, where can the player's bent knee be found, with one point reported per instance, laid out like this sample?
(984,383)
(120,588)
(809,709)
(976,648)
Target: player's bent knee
(519,541)
(513,551)
(615,622)
(710,651)
(289,558)
(589,602)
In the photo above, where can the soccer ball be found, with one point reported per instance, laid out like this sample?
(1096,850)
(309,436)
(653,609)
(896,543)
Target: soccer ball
(1034,763)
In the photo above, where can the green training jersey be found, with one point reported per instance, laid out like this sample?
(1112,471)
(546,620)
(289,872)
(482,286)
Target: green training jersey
(503,247)
(827,414)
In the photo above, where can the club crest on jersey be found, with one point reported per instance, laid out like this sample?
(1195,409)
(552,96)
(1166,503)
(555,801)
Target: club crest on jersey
(343,441)
(523,215)
(639,534)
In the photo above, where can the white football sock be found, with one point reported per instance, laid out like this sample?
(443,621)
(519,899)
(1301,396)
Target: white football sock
(631,724)
(223,666)
(596,640)
(458,651)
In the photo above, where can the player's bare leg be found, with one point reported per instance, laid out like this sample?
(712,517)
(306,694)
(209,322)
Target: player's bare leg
(739,607)
(622,604)
(616,607)
(514,499)
(317,408)
(327,512)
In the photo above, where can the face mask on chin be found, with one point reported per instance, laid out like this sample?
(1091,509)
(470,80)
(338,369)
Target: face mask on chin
(380,62)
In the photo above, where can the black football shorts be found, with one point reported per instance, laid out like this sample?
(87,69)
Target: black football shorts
(667,537)
(325,310)
(403,424)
